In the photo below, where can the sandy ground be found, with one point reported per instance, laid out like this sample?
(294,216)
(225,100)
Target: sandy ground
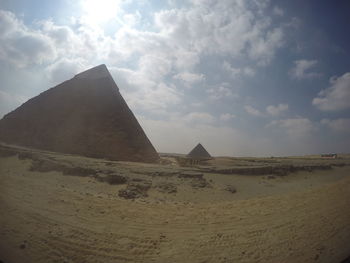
(51,217)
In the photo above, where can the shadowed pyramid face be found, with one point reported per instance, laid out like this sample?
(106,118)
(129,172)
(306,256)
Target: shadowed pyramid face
(199,152)
(85,115)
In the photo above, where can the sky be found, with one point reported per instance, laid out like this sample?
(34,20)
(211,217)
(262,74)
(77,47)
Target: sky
(243,77)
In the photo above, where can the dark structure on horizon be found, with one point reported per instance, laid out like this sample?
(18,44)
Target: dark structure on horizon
(199,152)
(196,156)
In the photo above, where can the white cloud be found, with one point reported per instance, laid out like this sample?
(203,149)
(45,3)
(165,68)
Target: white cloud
(302,69)
(9,102)
(190,78)
(132,19)
(227,116)
(221,92)
(59,34)
(252,111)
(295,127)
(9,23)
(179,39)
(341,125)
(263,48)
(270,110)
(278,11)
(199,117)
(64,69)
(156,100)
(226,27)
(247,71)
(154,67)
(336,97)
(22,46)
(276,110)
(144,94)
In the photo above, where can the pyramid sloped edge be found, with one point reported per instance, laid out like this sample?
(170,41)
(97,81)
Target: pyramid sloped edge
(90,118)
(199,152)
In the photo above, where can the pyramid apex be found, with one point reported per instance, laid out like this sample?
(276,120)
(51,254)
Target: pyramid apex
(104,125)
(97,72)
(199,152)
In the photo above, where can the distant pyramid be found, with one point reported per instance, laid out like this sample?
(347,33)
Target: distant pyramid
(199,152)
(85,115)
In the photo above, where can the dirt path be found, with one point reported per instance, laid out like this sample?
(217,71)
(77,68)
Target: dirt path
(47,217)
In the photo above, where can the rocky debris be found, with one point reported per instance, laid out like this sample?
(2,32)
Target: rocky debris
(191,174)
(23,245)
(231,189)
(339,164)
(347,260)
(278,170)
(46,166)
(199,183)
(165,161)
(168,188)
(165,173)
(43,165)
(5,152)
(27,155)
(112,178)
(135,189)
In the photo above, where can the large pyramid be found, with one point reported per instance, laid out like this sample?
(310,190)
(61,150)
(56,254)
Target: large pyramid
(85,115)
(199,152)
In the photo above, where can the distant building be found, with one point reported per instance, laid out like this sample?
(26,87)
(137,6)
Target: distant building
(329,155)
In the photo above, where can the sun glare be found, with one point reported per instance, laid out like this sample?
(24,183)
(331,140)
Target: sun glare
(100,11)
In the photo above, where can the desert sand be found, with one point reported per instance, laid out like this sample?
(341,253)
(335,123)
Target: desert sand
(65,208)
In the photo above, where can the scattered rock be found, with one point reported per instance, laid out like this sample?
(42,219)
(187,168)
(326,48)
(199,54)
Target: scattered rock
(165,161)
(49,166)
(165,173)
(347,260)
(278,170)
(190,174)
(27,155)
(135,189)
(199,183)
(231,189)
(112,178)
(271,177)
(4,152)
(168,188)
(22,246)
(46,166)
